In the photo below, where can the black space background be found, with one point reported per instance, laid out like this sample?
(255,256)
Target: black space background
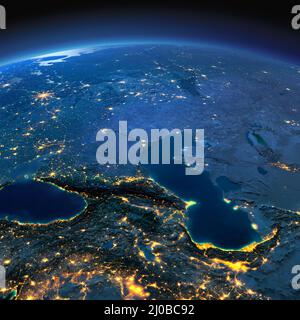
(271,12)
(31,25)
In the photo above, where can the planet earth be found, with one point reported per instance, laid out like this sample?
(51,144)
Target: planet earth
(149,232)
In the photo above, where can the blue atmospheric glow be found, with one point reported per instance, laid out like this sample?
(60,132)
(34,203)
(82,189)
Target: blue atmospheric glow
(134,42)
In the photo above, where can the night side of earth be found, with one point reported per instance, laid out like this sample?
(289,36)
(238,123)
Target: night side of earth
(73,229)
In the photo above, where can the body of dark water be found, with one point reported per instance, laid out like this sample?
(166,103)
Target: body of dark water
(211,219)
(38,202)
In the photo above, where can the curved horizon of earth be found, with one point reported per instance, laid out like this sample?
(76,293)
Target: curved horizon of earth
(51,108)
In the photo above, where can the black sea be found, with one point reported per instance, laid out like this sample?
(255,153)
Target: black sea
(38,202)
